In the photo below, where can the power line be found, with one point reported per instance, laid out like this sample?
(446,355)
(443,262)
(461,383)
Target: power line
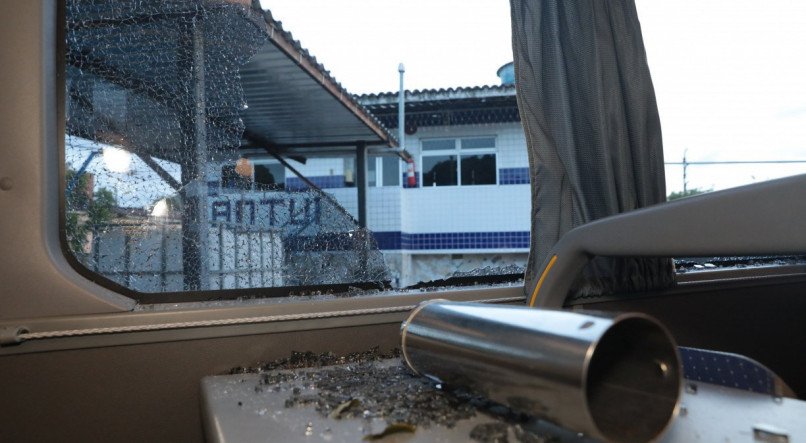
(733,162)
(685,163)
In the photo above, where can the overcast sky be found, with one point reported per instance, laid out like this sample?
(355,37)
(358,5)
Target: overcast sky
(729,75)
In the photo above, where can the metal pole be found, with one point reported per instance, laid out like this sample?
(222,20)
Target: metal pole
(361,182)
(163,258)
(81,170)
(194,157)
(127,259)
(401,110)
(236,250)
(220,256)
(262,265)
(685,170)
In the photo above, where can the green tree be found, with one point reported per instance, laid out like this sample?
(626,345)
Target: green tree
(77,198)
(102,208)
(84,212)
(687,193)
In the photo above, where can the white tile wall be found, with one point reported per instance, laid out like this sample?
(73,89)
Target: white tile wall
(470,208)
(348,197)
(485,208)
(511,145)
(316,167)
(384,208)
(466,209)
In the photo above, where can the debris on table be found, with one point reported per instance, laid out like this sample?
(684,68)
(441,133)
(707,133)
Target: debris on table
(377,387)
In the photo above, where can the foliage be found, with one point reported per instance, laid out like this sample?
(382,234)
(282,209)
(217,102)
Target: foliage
(102,207)
(77,198)
(84,212)
(76,233)
(687,193)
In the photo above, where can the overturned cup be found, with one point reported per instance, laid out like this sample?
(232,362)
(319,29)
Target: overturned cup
(615,377)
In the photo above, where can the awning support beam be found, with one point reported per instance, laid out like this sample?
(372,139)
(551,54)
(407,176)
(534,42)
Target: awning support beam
(361,182)
(194,164)
(162,173)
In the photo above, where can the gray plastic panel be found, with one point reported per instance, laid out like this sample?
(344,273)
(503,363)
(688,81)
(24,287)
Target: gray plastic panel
(760,219)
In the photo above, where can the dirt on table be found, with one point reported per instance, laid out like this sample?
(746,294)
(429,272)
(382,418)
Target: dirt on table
(375,385)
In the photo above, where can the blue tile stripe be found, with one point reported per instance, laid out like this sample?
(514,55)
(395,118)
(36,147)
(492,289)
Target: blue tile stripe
(391,240)
(339,241)
(388,240)
(322,181)
(513,176)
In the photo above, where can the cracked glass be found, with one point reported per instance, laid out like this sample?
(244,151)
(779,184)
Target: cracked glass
(159,195)
(207,149)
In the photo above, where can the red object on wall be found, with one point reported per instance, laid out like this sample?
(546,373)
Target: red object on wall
(410,177)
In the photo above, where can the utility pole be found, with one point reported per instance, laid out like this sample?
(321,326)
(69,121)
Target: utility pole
(685,172)
(194,156)
(401,110)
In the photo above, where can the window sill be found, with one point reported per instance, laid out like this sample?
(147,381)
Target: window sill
(191,321)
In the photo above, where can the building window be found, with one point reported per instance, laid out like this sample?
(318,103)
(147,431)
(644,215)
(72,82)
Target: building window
(269,177)
(231,179)
(383,171)
(465,161)
(390,171)
(439,170)
(264,176)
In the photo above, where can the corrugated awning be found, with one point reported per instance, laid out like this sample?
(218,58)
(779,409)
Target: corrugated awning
(294,102)
(446,107)
(132,70)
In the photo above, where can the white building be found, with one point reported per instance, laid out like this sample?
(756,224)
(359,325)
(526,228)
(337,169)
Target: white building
(469,207)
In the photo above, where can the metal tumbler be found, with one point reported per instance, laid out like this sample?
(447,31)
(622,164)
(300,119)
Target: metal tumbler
(615,377)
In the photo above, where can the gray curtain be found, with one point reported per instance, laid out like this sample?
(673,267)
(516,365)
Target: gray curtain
(592,128)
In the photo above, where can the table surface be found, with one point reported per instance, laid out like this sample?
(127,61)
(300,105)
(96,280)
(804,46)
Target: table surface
(234,411)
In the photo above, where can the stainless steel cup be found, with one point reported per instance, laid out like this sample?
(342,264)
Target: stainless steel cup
(615,377)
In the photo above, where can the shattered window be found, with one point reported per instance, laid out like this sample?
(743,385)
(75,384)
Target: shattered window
(207,149)
(163,99)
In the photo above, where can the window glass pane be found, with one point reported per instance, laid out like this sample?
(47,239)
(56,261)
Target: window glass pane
(478,143)
(150,144)
(439,170)
(269,176)
(434,145)
(391,170)
(349,171)
(478,169)
(372,173)
(163,205)
(232,179)
(160,98)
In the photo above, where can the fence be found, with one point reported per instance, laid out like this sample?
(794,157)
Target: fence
(147,257)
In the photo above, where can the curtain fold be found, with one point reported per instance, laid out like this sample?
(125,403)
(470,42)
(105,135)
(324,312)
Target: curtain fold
(593,133)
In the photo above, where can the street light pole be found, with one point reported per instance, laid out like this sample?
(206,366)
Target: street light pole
(401,110)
